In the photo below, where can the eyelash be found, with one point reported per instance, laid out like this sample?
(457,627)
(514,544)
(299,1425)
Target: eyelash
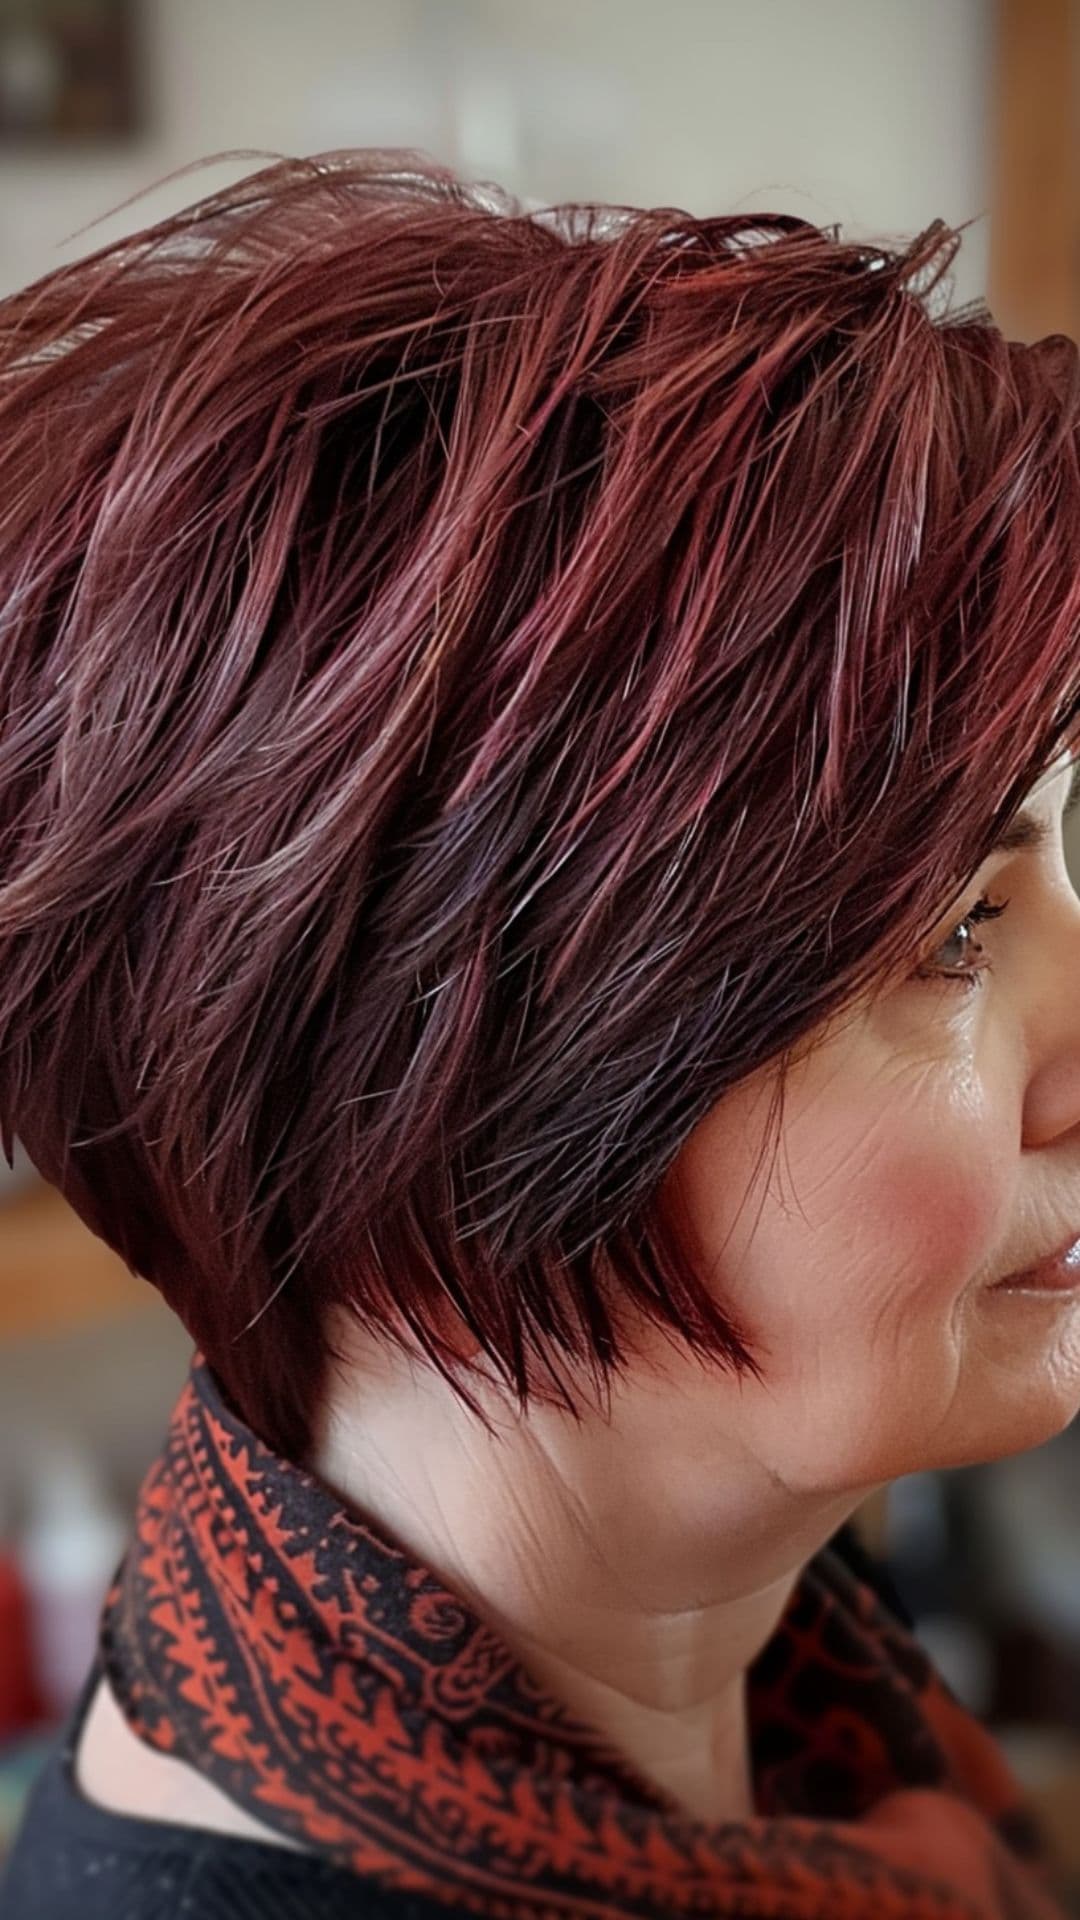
(983,909)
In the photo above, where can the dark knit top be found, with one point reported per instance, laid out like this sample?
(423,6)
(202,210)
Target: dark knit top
(337,1690)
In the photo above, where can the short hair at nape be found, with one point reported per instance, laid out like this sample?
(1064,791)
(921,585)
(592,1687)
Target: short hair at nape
(477,683)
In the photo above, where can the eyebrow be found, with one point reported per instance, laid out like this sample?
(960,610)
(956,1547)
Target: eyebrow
(1022,832)
(1025,831)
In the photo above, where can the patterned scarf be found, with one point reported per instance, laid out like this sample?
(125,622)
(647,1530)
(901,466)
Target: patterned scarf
(337,1690)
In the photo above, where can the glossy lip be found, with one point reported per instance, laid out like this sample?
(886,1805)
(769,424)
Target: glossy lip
(1059,1274)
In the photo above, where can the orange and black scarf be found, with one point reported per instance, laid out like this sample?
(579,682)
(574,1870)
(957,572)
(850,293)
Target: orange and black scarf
(336,1689)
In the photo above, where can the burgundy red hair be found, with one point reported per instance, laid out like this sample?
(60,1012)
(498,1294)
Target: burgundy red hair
(474,685)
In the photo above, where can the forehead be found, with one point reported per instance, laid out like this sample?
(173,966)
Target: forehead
(1033,825)
(1062,771)
(1053,787)
(1058,786)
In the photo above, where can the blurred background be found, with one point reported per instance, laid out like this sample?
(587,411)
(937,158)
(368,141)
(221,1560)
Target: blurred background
(877,114)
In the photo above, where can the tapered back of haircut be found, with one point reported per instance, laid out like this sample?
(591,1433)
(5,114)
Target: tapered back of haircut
(475,685)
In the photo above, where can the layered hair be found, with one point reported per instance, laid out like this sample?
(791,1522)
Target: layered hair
(476,683)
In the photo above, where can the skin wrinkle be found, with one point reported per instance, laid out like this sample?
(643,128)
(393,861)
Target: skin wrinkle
(584,667)
(639,1565)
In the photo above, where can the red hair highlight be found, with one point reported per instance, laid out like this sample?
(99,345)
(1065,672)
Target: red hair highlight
(475,684)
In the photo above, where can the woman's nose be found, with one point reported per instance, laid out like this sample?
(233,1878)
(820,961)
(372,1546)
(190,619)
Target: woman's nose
(1052,1101)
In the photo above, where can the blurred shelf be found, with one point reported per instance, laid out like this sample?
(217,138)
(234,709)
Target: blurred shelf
(1046,1762)
(1034,157)
(871,1522)
(54,1273)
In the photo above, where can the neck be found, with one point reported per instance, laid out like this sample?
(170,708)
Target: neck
(638,1598)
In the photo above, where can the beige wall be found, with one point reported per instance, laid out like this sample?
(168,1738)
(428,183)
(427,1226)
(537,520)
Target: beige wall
(870,112)
(873,113)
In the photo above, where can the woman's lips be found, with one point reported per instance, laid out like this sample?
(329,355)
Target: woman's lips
(1059,1274)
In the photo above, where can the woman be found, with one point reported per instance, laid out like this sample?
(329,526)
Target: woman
(512,725)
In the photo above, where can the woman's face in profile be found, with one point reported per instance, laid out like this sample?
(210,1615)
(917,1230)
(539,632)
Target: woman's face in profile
(929,1146)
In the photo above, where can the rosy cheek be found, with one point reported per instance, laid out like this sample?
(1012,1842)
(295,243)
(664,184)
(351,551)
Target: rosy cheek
(944,1209)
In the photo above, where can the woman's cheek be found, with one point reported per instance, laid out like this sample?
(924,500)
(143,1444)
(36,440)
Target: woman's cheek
(950,1185)
(925,1166)
(940,1213)
(894,1176)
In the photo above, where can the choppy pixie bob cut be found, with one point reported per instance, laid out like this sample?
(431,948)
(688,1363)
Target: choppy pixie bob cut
(476,683)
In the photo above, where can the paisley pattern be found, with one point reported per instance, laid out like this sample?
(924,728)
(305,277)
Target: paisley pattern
(336,1689)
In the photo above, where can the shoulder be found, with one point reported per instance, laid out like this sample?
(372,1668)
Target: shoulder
(118,1772)
(83,1863)
(75,1860)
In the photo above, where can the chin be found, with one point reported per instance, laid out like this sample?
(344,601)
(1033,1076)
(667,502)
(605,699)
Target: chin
(1022,1387)
(1014,1425)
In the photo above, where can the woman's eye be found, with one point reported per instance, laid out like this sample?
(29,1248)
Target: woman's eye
(963,957)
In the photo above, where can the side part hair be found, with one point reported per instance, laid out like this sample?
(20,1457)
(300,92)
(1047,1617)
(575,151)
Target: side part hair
(475,685)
